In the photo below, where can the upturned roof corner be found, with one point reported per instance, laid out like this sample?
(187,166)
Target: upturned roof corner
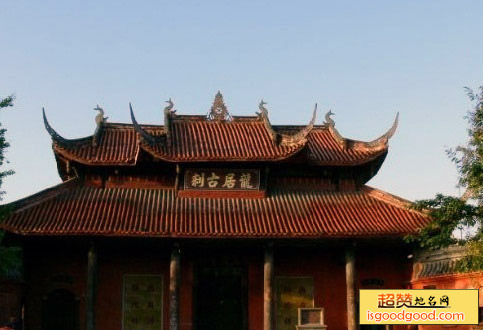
(286,139)
(68,143)
(56,137)
(145,136)
(376,144)
(384,139)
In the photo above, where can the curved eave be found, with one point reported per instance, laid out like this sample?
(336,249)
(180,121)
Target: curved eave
(42,196)
(60,211)
(377,144)
(68,155)
(108,233)
(355,162)
(132,161)
(59,139)
(196,159)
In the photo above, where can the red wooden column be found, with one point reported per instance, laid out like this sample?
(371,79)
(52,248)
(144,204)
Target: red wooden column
(91,287)
(350,279)
(174,285)
(268,275)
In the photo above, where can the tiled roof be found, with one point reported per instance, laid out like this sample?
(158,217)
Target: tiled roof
(324,149)
(117,146)
(201,140)
(198,139)
(438,268)
(440,262)
(75,209)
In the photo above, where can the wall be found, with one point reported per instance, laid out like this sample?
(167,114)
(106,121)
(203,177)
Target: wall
(452,281)
(383,267)
(51,265)
(62,264)
(121,259)
(10,300)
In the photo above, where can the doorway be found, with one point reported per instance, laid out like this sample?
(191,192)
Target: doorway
(220,295)
(60,311)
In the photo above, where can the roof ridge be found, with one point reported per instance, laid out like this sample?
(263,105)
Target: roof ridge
(130,125)
(391,199)
(236,119)
(42,195)
(383,195)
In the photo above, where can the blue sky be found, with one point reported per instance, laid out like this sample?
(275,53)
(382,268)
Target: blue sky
(365,60)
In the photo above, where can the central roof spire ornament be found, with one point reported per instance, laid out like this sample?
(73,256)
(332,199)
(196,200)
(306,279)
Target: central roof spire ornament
(218,111)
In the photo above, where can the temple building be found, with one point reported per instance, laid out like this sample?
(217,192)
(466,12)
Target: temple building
(210,222)
(438,270)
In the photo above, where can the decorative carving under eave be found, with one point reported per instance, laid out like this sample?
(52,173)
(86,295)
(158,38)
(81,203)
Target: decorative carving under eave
(53,134)
(145,136)
(383,139)
(218,111)
(100,120)
(286,139)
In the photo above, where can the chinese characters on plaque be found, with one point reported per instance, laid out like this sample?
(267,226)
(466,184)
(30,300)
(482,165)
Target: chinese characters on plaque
(222,179)
(391,300)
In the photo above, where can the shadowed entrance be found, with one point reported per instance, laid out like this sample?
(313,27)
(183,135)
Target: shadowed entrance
(60,311)
(220,294)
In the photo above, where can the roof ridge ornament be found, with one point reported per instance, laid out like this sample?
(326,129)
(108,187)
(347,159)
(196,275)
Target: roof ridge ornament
(263,114)
(330,123)
(328,120)
(285,139)
(147,137)
(219,111)
(169,113)
(100,120)
(169,108)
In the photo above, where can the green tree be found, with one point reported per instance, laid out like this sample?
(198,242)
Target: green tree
(9,256)
(451,213)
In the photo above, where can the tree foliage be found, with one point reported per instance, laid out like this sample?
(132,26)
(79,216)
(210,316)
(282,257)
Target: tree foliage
(4,103)
(448,214)
(9,256)
(451,213)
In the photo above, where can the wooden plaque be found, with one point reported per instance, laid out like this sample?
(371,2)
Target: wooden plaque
(222,179)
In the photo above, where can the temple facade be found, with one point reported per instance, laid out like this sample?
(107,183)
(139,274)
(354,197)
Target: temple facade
(209,222)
